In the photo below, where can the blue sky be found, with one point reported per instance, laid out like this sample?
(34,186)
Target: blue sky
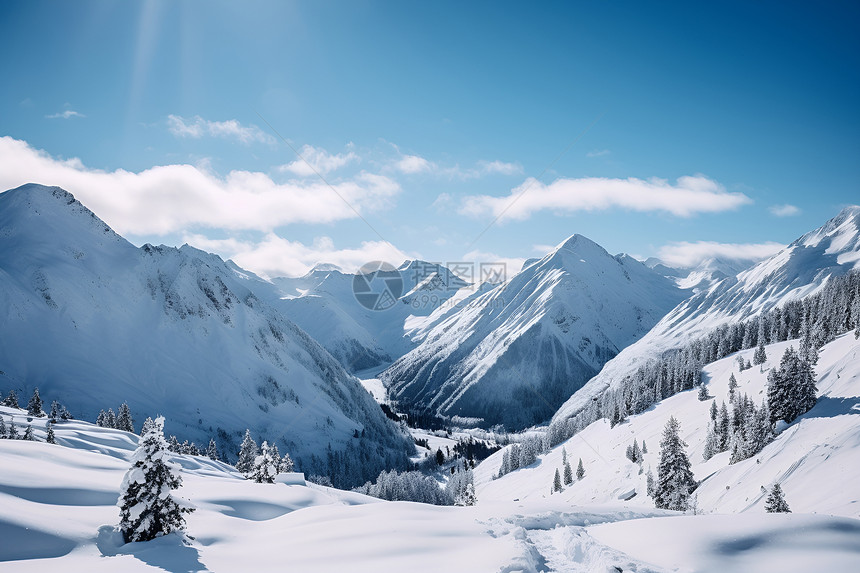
(678,130)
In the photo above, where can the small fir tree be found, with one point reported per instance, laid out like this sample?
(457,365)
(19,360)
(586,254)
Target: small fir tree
(34,406)
(265,466)
(649,483)
(733,385)
(11,400)
(50,438)
(28,434)
(760,356)
(110,420)
(775,502)
(556,481)
(147,510)
(3,434)
(568,473)
(675,480)
(101,419)
(56,409)
(13,430)
(212,450)
(580,471)
(703,393)
(644,447)
(286,463)
(124,420)
(248,452)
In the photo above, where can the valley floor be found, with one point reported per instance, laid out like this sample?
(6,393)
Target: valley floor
(58,512)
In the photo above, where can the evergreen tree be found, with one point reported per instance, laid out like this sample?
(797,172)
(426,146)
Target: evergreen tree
(703,393)
(212,450)
(556,481)
(124,420)
(50,438)
(644,447)
(55,411)
(265,466)
(3,433)
(34,406)
(714,411)
(469,497)
(286,463)
(147,425)
(723,429)
(712,443)
(733,385)
(580,471)
(248,452)
(440,457)
(649,483)
(173,445)
(740,363)
(110,420)
(775,502)
(101,419)
(568,473)
(791,389)
(147,510)
(760,356)
(13,430)
(675,480)
(28,434)
(11,400)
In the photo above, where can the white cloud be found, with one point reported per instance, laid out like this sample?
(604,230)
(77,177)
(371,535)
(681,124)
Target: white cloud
(175,198)
(198,127)
(686,255)
(410,164)
(275,256)
(481,169)
(784,210)
(491,261)
(690,195)
(598,153)
(318,160)
(67,114)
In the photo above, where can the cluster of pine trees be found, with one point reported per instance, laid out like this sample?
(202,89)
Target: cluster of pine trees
(416,486)
(122,421)
(567,472)
(522,454)
(744,431)
(816,320)
(261,463)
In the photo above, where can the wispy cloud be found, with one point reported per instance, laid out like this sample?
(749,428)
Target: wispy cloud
(690,254)
(274,256)
(410,164)
(318,160)
(67,114)
(197,127)
(598,153)
(784,210)
(175,198)
(689,196)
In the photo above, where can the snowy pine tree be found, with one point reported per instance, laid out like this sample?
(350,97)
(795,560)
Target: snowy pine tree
(286,463)
(703,393)
(11,400)
(212,450)
(56,409)
(791,389)
(110,419)
(775,502)
(733,385)
(34,406)
(760,356)
(556,481)
(248,452)
(3,434)
(568,473)
(28,434)
(147,510)
(580,471)
(712,443)
(13,431)
(50,438)
(101,419)
(675,480)
(124,421)
(649,483)
(265,466)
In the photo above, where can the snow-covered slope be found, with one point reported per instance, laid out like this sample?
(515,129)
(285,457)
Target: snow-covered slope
(94,321)
(57,513)
(513,354)
(704,275)
(323,303)
(795,272)
(815,459)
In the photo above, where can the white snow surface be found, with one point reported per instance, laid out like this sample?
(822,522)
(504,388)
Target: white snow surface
(93,321)
(513,354)
(799,270)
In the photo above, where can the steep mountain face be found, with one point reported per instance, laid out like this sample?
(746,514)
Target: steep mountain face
(513,354)
(795,272)
(324,304)
(704,275)
(94,321)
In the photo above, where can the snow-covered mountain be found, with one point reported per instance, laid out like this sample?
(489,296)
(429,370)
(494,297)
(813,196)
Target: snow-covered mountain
(702,276)
(513,354)
(94,321)
(324,304)
(795,272)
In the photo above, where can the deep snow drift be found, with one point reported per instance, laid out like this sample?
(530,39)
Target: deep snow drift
(514,354)
(94,321)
